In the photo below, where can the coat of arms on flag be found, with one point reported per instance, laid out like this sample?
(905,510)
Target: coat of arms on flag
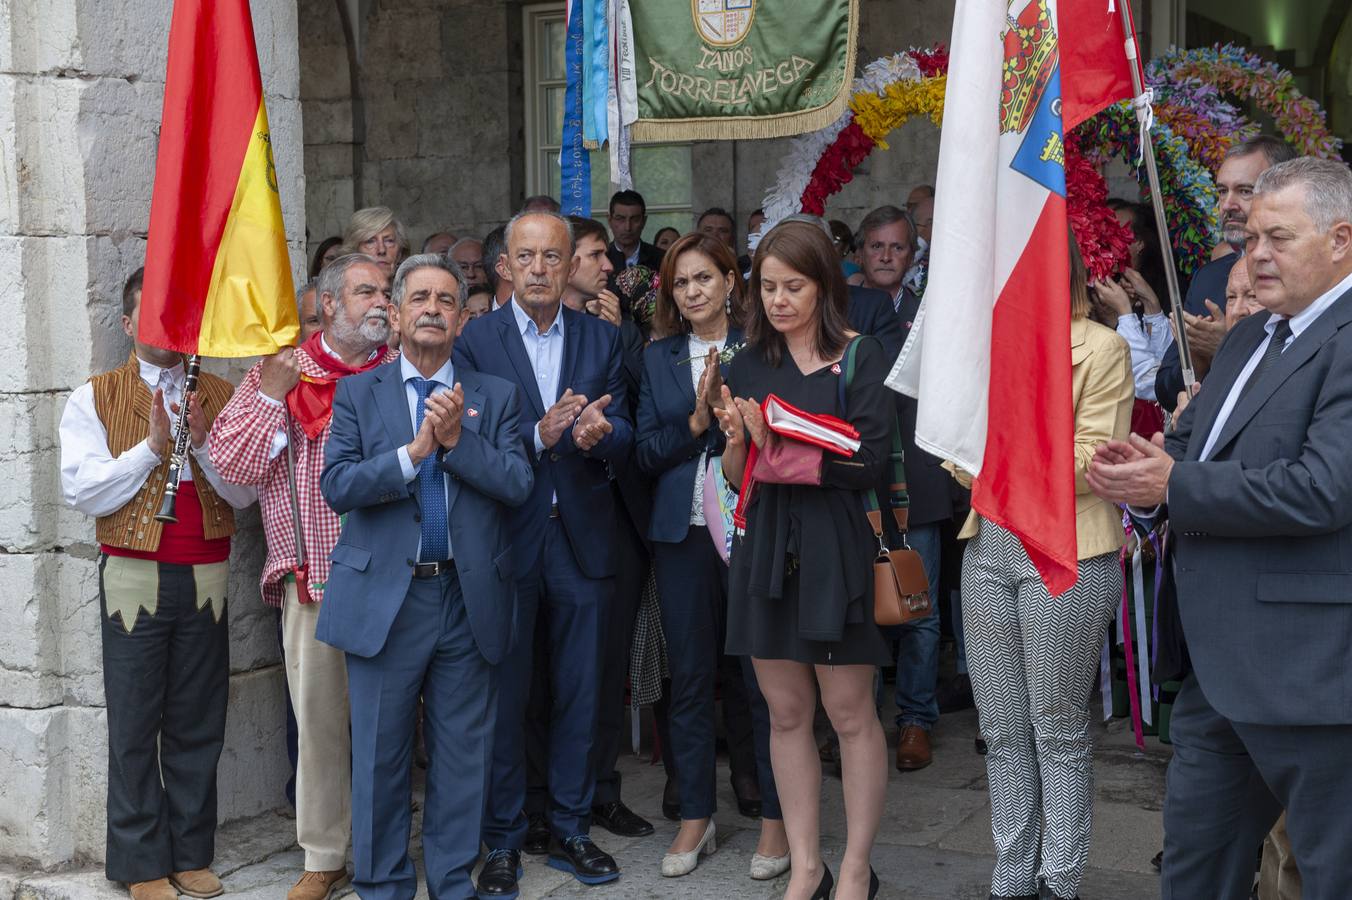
(1030,96)
(723,23)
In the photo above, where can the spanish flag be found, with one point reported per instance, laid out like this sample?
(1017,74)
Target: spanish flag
(218,276)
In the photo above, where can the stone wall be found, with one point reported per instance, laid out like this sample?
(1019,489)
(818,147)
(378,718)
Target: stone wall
(442,106)
(81,85)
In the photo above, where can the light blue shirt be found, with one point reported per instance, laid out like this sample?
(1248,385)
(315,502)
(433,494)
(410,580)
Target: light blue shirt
(545,352)
(1299,322)
(445,380)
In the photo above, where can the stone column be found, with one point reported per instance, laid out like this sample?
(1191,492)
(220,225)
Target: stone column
(80,99)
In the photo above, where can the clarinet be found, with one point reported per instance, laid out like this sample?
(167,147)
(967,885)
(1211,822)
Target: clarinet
(178,457)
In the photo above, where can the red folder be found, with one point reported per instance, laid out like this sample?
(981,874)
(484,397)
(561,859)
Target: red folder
(788,421)
(828,432)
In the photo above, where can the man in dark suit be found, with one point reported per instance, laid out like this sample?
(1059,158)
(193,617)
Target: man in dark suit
(566,367)
(424,459)
(628,216)
(1205,300)
(1257,479)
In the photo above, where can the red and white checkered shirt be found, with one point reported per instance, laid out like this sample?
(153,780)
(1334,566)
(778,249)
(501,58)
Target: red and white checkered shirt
(243,438)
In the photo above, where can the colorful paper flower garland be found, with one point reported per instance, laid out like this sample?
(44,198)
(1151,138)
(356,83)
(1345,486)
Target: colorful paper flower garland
(1234,70)
(818,164)
(1188,188)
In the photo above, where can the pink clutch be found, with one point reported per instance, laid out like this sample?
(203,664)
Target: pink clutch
(787,461)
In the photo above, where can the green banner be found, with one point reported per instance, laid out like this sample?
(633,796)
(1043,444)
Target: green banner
(732,69)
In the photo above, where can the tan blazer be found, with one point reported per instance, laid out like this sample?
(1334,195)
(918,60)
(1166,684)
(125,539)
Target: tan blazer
(1103,393)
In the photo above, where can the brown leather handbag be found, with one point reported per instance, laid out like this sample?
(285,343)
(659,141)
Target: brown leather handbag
(900,587)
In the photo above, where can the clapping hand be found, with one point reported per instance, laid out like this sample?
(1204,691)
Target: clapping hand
(197,421)
(592,424)
(710,385)
(559,417)
(445,410)
(755,422)
(158,439)
(1134,472)
(606,306)
(1205,334)
(730,421)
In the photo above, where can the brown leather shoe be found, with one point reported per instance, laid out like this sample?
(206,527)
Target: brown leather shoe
(197,883)
(913,749)
(318,885)
(159,889)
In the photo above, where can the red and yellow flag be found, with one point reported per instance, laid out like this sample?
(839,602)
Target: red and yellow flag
(218,276)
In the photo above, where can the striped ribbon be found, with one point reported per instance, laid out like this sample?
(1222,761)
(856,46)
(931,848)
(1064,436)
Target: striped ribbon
(574,160)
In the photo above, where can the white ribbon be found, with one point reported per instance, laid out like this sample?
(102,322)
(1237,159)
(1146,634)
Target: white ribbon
(1143,103)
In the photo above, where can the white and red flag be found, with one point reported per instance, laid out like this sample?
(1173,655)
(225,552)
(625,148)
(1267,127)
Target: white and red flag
(989,355)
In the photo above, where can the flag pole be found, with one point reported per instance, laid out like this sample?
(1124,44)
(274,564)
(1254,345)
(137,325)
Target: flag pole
(1156,200)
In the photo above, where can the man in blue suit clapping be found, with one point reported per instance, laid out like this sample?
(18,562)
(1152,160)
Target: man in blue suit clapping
(566,366)
(424,461)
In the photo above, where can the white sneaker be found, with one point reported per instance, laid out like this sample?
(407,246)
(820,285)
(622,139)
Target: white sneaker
(674,865)
(765,868)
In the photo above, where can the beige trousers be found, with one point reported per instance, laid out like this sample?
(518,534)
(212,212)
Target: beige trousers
(316,676)
(1279,879)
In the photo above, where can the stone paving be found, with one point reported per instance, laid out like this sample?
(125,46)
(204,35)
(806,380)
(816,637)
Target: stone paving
(934,843)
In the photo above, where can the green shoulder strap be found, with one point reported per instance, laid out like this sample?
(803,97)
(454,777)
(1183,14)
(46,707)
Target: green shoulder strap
(896,467)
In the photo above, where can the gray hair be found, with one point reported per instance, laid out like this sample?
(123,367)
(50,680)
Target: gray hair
(809,219)
(428,261)
(462,242)
(1274,149)
(558,217)
(888,215)
(371,221)
(304,289)
(1327,183)
(330,281)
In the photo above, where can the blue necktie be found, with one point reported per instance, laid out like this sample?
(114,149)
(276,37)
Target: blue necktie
(436,541)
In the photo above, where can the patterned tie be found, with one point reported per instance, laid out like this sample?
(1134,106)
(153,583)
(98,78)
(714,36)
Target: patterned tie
(1270,356)
(436,541)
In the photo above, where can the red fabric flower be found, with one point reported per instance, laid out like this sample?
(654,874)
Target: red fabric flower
(933,61)
(835,168)
(1105,243)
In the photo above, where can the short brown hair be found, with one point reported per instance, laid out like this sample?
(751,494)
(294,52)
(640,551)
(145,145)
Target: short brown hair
(806,249)
(585,227)
(667,316)
(131,291)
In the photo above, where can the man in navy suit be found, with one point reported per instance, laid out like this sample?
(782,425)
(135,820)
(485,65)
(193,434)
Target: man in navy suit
(424,459)
(566,367)
(1256,480)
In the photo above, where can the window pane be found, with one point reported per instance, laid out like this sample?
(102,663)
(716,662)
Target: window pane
(553,124)
(555,33)
(553,176)
(659,220)
(662,174)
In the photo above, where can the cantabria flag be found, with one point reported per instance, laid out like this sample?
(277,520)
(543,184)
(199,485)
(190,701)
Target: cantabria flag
(218,277)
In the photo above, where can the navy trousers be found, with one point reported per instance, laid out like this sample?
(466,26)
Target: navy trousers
(430,651)
(1228,781)
(575,607)
(692,582)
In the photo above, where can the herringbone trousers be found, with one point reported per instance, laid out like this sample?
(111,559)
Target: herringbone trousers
(1032,660)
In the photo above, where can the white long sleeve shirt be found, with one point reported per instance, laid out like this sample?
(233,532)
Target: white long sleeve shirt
(1148,340)
(97,483)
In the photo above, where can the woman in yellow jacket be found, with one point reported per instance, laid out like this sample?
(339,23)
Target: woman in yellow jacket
(1032,657)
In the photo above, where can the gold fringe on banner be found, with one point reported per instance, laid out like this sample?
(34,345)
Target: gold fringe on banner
(736,128)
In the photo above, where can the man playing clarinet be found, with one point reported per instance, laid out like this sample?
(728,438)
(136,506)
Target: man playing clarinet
(162,586)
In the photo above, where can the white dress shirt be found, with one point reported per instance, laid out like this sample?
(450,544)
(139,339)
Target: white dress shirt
(1299,322)
(445,380)
(97,483)
(1148,340)
(545,352)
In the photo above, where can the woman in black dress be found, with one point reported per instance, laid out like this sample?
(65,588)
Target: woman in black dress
(801,580)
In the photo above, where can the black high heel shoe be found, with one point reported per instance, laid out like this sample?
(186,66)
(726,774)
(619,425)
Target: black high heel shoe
(823,891)
(872,883)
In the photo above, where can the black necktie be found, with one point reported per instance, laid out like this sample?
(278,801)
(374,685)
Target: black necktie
(1276,344)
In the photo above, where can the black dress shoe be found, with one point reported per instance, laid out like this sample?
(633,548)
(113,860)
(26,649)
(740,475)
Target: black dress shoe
(823,891)
(498,878)
(671,802)
(872,883)
(981,747)
(537,836)
(582,859)
(620,820)
(747,791)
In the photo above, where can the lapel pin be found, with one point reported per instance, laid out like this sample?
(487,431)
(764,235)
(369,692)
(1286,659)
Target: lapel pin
(471,412)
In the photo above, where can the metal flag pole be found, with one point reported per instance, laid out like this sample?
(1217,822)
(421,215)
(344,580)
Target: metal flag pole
(1144,117)
(302,569)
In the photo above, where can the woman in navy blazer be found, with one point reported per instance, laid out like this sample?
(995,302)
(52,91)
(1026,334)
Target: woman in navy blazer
(698,307)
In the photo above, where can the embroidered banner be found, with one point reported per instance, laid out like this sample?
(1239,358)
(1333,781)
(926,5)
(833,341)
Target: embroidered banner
(574,160)
(732,69)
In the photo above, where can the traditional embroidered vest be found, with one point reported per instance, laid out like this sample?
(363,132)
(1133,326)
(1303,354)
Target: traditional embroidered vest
(122,402)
